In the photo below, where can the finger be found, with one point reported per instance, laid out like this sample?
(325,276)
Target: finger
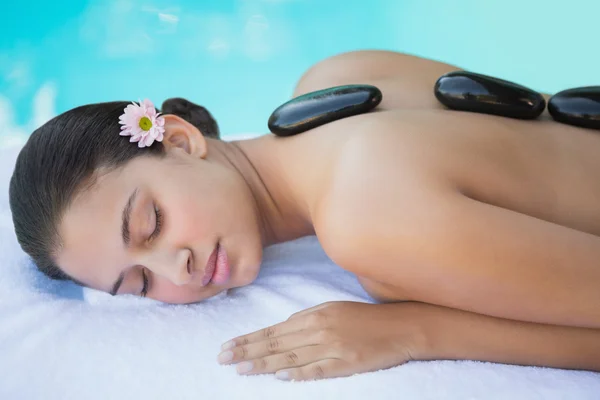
(288,359)
(267,347)
(322,369)
(280,329)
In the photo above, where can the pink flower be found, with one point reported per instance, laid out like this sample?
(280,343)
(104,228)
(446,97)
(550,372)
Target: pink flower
(142,123)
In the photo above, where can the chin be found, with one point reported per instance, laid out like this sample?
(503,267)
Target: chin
(245,269)
(244,275)
(253,269)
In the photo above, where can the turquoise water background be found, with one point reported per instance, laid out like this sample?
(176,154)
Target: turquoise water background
(241,58)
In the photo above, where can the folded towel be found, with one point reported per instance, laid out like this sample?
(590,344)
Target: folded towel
(58,341)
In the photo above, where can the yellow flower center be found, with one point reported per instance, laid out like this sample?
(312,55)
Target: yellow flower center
(145,123)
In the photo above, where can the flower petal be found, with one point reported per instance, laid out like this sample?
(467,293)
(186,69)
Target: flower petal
(130,121)
(149,140)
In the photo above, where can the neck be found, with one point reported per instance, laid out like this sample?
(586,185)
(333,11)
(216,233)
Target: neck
(283,215)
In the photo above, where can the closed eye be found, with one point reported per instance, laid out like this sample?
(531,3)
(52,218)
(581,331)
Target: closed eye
(158,224)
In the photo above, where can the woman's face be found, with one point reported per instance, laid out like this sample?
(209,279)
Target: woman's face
(159,221)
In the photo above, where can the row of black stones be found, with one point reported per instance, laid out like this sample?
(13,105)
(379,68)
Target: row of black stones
(459,90)
(468,91)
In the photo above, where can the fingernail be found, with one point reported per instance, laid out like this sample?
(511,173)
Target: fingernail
(283,375)
(244,367)
(226,356)
(228,345)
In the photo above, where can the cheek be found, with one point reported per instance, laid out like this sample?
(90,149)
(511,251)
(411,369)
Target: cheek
(187,212)
(203,211)
(191,222)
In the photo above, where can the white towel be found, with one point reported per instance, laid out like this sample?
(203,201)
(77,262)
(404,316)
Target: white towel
(60,342)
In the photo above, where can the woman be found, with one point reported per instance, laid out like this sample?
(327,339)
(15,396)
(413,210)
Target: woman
(478,234)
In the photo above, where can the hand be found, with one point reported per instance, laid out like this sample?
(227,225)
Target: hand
(330,340)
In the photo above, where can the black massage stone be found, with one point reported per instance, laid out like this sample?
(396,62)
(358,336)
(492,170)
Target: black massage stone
(468,91)
(321,107)
(578,106)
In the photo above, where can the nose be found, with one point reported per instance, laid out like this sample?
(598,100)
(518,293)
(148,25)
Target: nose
(171,265)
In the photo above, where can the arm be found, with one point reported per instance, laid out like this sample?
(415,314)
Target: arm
(450,334)
(506,264)
(447,249)
(344,338)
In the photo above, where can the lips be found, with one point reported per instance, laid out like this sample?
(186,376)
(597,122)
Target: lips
(211,264)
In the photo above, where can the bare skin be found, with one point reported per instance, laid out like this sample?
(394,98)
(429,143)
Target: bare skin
(494,205)
(480,217)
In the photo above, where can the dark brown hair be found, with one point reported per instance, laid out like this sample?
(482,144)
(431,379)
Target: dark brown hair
(62,155)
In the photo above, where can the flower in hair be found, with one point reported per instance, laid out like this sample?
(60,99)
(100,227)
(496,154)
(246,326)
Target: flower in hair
(142,123)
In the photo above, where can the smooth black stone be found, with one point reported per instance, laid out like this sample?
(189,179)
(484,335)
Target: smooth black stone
(577,106)
(468,91)
(321,107)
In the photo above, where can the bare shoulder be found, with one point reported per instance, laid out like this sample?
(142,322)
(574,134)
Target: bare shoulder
(383,181)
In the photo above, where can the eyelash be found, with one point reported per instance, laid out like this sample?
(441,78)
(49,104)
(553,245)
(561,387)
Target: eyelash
(145,280)
(159,221)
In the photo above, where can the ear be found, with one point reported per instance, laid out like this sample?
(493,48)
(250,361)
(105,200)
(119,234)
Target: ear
(180,134)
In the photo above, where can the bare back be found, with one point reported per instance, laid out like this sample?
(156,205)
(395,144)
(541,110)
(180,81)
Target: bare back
(407,158)
(539,168)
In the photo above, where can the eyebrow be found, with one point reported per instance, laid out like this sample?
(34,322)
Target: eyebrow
(126,217)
